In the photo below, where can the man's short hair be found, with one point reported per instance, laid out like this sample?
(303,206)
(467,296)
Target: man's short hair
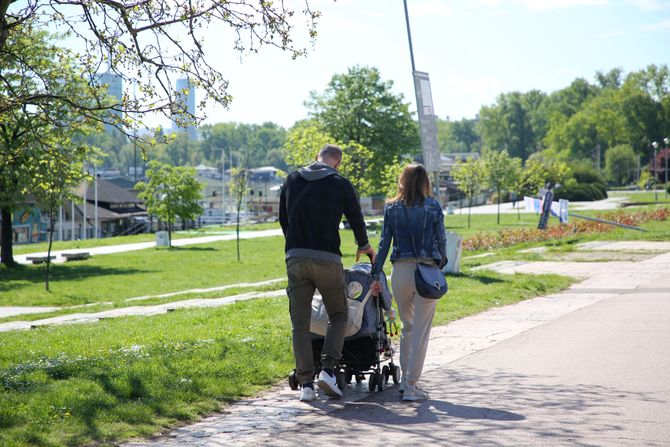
(330,152)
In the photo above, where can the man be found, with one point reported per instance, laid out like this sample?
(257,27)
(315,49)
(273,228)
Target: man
(312,202)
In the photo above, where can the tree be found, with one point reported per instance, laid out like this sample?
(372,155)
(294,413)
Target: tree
(171,192)
(458,136)
(306,138)
(620,164)
(502,171)
(34,137)
(359,107)
(238,189)
(471,179)
(151,43)
(508,124)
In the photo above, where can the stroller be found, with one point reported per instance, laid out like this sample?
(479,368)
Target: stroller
(364,352)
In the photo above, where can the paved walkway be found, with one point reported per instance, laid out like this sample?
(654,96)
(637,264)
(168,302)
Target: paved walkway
(21,259)
(585,367)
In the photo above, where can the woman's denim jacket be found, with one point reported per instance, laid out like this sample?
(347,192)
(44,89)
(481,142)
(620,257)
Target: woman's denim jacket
(427,219)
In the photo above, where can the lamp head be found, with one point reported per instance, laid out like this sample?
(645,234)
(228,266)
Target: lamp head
(654,144)
(666,140)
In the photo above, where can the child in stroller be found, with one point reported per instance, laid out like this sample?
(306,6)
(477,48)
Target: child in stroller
(364,352)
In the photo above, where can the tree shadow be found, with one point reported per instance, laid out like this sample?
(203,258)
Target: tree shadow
(484,279)
(24,276)
(476,407)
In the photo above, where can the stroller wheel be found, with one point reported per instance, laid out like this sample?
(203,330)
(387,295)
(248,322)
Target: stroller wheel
(359,378)
(395,373)
(341,380)
(386,373)
(372,381)
(293,380)
(380,382)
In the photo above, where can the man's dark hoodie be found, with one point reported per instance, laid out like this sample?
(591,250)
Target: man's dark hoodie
(312,228)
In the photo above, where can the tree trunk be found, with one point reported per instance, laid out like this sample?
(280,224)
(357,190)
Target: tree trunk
(498,195)
(51,238)
(239,207)
(169,226)
(6,239)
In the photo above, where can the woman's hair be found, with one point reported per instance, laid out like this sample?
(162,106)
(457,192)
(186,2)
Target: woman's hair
(413,185)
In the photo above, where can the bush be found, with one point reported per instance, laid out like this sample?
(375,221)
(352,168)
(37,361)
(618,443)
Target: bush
(581,192)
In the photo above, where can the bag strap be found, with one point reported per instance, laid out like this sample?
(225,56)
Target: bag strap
(416,256)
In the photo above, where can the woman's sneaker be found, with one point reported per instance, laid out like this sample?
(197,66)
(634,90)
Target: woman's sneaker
(403,385)
(413,392)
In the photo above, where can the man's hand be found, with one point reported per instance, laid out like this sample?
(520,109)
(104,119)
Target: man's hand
(376,288)
(370,252)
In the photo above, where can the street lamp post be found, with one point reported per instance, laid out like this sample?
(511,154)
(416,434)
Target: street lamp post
(655,145)
(666,140)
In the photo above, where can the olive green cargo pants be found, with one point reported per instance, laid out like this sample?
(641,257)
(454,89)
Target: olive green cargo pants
(306,275)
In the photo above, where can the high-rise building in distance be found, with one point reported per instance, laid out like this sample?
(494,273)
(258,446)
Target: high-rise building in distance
(114,84)
(186,95)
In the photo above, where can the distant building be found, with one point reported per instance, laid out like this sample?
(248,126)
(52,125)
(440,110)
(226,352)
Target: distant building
(114,84)
(186,96)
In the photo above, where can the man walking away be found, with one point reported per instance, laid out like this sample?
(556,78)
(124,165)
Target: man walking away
(312,202)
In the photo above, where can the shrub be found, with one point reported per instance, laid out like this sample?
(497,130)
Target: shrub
(581,192)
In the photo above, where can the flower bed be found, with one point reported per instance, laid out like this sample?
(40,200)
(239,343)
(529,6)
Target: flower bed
(506,238)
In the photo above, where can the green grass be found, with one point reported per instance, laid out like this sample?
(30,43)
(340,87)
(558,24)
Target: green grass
(106,382)
(152,271)
(145,237)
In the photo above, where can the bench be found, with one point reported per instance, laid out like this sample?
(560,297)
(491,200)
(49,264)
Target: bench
(79,256)
(39,259)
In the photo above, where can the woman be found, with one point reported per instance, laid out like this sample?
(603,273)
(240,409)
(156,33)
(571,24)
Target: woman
(414,221)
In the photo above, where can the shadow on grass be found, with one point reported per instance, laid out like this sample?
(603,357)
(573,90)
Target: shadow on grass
(22,275)
(484,279)
(191,248)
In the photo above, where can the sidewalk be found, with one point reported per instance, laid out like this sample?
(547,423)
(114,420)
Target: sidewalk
(587,366)
(21,259)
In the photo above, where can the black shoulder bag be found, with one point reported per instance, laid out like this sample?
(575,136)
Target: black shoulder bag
(429,280)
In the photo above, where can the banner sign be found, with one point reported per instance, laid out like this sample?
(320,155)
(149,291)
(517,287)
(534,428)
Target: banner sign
(427,123)
(558,209)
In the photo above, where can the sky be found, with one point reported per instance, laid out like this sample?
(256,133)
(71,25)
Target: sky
(472,50)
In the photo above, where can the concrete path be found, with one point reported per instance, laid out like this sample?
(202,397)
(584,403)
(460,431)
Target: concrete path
(586,367)
(21,259)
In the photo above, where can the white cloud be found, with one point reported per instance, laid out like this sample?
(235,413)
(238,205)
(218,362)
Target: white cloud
(650,5)
(660,26)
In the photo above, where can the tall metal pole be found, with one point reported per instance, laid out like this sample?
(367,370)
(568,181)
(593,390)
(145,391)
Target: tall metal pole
(436,175)
(95,198)
(72,217)
(83,226)
(223,186)
(655,145)
(409,37)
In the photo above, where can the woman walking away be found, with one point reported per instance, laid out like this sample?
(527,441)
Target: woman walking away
(414,221)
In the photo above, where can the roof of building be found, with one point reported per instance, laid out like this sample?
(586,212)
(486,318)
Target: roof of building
(108,192)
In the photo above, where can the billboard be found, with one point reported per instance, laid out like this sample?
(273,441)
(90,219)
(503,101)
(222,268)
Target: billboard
(427,123)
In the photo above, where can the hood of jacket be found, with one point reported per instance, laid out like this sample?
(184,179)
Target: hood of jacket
(316,171)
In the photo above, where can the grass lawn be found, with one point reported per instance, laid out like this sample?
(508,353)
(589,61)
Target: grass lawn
(106,382)
(145,237)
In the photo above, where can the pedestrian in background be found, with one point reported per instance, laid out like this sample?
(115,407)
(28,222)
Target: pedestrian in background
(414,223)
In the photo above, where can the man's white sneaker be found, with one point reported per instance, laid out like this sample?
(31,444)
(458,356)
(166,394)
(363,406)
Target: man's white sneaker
(403,385)
(413,392)
(307,394)
(328,384)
